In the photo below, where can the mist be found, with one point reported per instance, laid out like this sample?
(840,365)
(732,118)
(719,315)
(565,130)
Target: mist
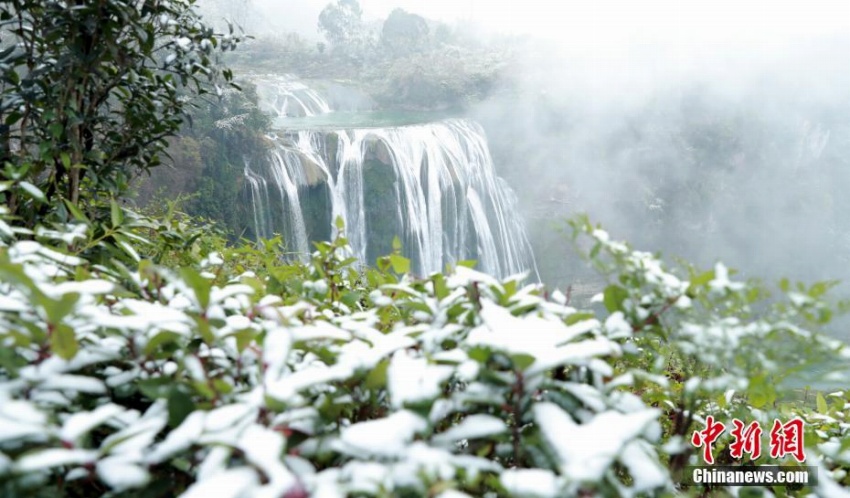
(711,140)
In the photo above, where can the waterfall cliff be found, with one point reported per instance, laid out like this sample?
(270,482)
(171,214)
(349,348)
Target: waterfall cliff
(433,185)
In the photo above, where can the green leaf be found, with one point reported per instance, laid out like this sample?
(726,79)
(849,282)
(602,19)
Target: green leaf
(702,278)
(63,341)
(613,298)
(75,211)
(56,310)
(510,289)
(823,408)
(156,387)
(205,330)
(522,361)
(33,191)
(479,354)
(244,338)
(222,386)
(339,223)
(117,214)
(441,289)
(401,265)
(351,299)
(761,392)
(579,317)
(468,263)
(180,405)
(377,377)
(396,244)
(160,340)
(199,284)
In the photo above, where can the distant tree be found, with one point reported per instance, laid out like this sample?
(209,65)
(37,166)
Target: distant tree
(341,22)
(404,32)
(236,11)
(91,91)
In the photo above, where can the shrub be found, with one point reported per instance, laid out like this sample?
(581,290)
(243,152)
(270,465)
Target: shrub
(239,375)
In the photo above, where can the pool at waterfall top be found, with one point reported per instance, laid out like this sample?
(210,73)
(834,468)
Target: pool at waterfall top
(363,119)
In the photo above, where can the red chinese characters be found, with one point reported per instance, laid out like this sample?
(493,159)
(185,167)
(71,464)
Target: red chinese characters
(747,439)
(785,439)
(707,437)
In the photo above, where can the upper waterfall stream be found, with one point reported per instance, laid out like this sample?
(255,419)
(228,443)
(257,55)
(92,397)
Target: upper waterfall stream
(432,184)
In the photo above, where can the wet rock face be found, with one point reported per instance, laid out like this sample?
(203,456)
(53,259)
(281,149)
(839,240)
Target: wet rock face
(433,185)
(377,151)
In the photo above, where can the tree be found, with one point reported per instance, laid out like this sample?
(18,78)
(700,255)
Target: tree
(404,32)
(90,93)
(342,23)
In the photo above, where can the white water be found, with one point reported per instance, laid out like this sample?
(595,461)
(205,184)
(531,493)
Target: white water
(448,203)
(285,96)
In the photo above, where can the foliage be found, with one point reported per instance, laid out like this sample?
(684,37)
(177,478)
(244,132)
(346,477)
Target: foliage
(237,371)
(341,23)
(403,32)
(90,93)
(206,161)
(448,77)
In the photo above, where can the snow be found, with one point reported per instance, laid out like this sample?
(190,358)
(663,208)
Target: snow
(422,461)
(214,463)
(452,493)
(721,283)
(20,411)
(388,436)
(586,451)
(589,396)
(365,477)
(290,385)
(77,383)
(57,457)
(80,424)
(538,483)
(186,434)
(642,462)
(472,427)
(225,417)
(411,380)
(264,448)
(617,326)
(231,483)
(120,474)
(544,340)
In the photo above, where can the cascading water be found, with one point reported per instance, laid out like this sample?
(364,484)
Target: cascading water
(432,185)
(285,96)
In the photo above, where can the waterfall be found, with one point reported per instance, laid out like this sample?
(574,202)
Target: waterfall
(285,96)
(433,185)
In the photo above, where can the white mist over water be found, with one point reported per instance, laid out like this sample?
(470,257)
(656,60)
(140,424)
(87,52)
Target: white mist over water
(438,179)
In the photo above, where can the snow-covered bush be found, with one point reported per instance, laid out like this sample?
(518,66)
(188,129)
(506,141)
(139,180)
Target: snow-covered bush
(235,374)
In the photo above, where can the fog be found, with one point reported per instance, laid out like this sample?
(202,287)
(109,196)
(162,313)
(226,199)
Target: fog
(735,154)
(587,23)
